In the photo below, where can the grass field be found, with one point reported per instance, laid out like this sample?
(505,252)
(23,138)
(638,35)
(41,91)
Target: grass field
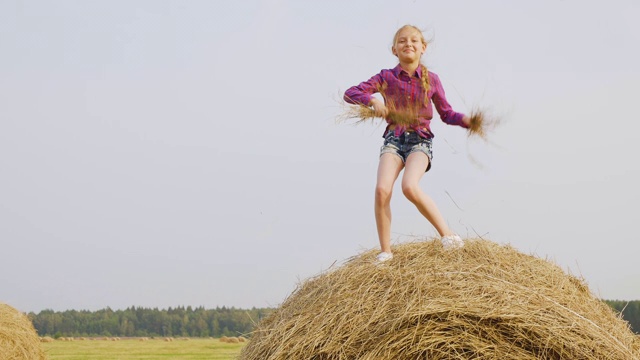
(134,349)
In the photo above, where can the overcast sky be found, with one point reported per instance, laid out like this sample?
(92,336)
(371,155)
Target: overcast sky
(166,153)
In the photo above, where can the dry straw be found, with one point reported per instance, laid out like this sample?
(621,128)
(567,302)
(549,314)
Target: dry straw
(484,301)
(18,338)
(364,114)
(398,115)
(481,124)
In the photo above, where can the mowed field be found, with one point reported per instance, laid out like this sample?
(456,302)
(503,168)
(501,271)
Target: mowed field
(134,349)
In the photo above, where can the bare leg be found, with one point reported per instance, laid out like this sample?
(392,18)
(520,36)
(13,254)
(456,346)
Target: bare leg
(389,168)
(414,170)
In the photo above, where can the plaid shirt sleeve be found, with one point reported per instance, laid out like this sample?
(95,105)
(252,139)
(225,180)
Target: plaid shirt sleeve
(361,94)
(442,105)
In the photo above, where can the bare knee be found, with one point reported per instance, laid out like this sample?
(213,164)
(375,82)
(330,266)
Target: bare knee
(411,192)
(383,194)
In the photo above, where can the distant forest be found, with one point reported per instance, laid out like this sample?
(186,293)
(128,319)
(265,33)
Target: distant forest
(144,322)
(192,322)
(630,311)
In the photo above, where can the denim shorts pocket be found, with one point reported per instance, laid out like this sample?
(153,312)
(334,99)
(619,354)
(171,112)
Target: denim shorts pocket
(390,137)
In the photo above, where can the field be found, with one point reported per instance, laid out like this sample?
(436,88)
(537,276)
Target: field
(134,349)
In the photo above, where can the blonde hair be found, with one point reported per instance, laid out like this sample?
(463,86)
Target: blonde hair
(425,73)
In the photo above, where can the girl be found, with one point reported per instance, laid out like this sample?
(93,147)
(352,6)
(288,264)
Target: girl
(408,91)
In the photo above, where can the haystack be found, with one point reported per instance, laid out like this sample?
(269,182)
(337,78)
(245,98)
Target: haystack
(484,301)
(18,338)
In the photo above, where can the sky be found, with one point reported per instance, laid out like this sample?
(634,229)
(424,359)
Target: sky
(187,153)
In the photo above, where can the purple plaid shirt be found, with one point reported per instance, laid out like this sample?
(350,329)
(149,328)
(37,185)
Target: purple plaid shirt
(404,90)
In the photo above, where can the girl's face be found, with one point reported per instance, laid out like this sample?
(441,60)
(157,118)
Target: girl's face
(408,46)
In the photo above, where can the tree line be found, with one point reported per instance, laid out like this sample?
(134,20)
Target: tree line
(146,322)
(193,322)
(629,310)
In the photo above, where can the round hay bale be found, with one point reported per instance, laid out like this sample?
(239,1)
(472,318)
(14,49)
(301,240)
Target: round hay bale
(484,301)
(18,338)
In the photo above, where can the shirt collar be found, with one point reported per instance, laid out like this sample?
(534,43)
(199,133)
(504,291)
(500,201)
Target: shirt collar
(398,69)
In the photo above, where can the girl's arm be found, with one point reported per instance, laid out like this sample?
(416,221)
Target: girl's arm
(443,107)
(362,93)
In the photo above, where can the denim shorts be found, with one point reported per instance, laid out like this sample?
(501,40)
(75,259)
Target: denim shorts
(406,144)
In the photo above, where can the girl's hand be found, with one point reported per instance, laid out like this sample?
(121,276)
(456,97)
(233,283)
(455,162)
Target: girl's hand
(466,120)
(379,108)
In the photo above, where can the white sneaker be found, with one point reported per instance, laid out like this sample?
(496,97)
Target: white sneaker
(452,242)
(384,256)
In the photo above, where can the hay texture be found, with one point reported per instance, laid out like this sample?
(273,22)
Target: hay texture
(480,123)
(18,338)
(484,301)
(405,117)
